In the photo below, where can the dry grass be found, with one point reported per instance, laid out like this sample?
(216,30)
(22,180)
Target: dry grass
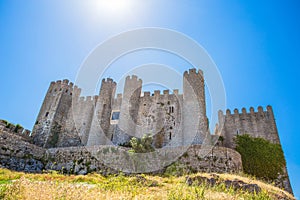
(18,185)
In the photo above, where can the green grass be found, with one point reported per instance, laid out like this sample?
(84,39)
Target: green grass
(52,185)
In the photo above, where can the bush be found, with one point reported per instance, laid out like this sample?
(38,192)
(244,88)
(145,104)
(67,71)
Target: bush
(143,145)
(260,157)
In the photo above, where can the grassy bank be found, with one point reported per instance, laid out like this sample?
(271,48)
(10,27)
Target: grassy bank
(18,185)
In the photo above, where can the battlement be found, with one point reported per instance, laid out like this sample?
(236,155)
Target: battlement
(15,129)
(62,86)
(260,110)
(193,71)
(88,98)
(166,92)
(134,78)
(176,91)
(156,93)
(147,94)
(108,80)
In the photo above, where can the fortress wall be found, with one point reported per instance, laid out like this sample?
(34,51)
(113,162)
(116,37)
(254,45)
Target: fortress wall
(15,129)
(81,160)
(257,124)
(17,154)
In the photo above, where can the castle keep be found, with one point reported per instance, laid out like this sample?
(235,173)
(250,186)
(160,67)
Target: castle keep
(174,119)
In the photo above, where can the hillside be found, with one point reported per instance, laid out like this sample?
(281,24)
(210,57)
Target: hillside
(51,185)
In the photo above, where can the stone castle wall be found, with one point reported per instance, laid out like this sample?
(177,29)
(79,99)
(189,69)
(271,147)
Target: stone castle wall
(24,134)
(19,155)
(256,124)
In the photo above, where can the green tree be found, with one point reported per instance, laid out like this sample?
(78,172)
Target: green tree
(260,157)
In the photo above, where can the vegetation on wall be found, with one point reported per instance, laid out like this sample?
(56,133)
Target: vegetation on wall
(260,157)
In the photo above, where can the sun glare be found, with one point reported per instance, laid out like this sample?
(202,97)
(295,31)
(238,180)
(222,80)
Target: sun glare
(114,6)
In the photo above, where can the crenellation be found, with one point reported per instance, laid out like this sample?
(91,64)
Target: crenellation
(89,98)
(193,72)
(260,109)
(258,123)
(228,112)
(146,94)
(81,99)
(244,111)
(236,111)
(65,82)
(166,92)
(176,91)
(16,130)
(156,93)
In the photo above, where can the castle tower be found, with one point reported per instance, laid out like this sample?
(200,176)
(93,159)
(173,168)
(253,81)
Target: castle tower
(195,125)
(53,119)
(129,110)
(256,124)
(99,131)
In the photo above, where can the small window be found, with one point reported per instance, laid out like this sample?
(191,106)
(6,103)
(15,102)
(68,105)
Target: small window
(67,91)
(47,113)
(171,109)
(115,115)
(170,136)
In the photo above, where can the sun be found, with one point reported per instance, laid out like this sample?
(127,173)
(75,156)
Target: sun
(114,6)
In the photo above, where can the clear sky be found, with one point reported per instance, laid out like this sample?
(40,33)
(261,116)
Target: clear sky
(255,45)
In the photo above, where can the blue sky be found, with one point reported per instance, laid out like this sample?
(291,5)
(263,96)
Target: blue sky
(255,45)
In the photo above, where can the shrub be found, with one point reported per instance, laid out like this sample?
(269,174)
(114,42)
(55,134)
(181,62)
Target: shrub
(143,145)
(260,157)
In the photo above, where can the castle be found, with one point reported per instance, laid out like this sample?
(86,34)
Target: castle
(66,119)
(70,128)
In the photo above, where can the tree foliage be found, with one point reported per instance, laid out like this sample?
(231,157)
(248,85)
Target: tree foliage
(260,157)
(142,145)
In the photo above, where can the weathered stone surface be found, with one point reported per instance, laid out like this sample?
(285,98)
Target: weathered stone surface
(16,154)
(212,159)
(234,184)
